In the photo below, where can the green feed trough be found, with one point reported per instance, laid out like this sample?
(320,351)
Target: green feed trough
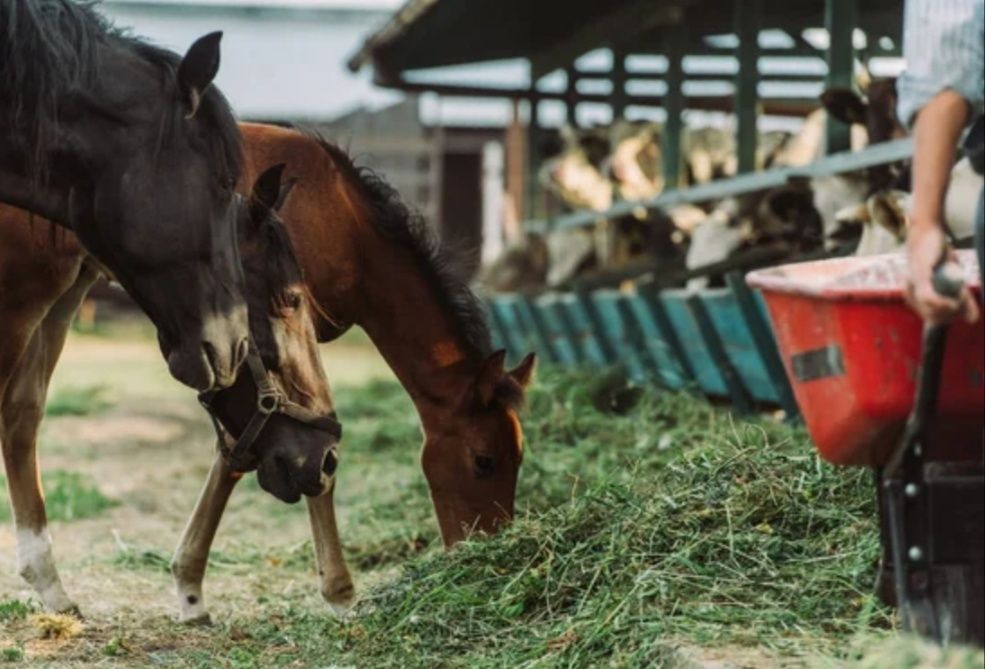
(715,341)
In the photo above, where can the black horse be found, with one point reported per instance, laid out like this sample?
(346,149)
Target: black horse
(128,146)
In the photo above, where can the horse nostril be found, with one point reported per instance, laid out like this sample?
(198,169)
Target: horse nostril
(240,352)
(210,356)
(331,462)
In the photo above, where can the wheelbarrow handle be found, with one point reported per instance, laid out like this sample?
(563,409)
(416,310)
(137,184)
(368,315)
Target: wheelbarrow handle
(948,280)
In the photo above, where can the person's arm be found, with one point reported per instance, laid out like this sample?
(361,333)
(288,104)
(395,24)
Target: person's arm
(936,133)
(940,88)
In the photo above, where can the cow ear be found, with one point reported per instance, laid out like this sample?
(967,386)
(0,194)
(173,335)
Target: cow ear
(197,70)
(523,373)
(889,209)
(844,104)
(490,374)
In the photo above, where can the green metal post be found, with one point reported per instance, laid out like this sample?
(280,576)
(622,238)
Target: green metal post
(674,106)
(618,79)
(840,18)
(532,203)
(747,17)
(571,95)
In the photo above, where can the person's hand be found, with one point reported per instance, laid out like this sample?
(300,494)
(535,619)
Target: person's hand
(925,246)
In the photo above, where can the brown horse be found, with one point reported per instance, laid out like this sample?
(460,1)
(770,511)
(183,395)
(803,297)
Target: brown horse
(369,262)
(44,274)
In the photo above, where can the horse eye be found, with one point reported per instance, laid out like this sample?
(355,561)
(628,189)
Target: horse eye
(484,466)
(293,300)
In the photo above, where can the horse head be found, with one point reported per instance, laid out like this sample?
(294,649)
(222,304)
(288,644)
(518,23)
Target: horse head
(277,416)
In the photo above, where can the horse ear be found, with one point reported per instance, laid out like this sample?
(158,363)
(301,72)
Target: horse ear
(197,70)
(844,104)
(285,191)
(489,377)
(523,373)
(266,189)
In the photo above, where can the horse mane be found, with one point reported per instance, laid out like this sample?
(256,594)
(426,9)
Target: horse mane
(49,48)
(395,221)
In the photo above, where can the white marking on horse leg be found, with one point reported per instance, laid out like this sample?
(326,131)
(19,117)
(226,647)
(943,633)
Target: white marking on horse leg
(335,582)
(188,575)
(192,555)
(36,564)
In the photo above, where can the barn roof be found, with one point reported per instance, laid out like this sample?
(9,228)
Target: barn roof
(434,33)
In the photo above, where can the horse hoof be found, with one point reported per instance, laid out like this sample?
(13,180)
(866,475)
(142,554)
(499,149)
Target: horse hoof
(340,597)
(201,620)
(73,611)
(344,610)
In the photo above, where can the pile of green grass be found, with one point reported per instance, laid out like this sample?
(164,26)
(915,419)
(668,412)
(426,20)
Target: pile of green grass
(662,525)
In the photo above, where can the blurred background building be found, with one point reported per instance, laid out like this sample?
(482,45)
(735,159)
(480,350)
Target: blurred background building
(459,113)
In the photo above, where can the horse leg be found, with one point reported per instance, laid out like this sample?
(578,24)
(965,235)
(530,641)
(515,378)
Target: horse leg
(21,411)
(192,555)
(335,582)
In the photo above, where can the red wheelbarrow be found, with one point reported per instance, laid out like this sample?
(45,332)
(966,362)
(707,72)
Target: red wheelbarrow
(877,389)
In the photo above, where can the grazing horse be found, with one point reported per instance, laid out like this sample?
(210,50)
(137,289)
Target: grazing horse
(281,390)
(129,146)
(368,261)
(371,262)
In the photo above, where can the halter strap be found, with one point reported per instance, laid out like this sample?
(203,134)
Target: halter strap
(269,401)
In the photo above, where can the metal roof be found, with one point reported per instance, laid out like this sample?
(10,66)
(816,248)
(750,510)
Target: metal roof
(435,33)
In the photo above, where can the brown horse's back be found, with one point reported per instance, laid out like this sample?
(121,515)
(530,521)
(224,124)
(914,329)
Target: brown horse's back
(320,214)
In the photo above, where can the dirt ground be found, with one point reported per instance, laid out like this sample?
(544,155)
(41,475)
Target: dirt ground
(149,453)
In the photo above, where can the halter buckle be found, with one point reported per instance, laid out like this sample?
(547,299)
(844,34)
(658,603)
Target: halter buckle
(268,403)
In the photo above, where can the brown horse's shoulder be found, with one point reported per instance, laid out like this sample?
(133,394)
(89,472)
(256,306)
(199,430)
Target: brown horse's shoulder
(34,240)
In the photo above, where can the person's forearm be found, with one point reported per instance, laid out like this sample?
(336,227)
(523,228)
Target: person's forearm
(936,134)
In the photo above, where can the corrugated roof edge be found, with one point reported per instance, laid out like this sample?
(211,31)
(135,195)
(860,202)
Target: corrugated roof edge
(411,11)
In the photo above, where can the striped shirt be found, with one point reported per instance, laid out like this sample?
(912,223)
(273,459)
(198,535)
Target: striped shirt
(943,44)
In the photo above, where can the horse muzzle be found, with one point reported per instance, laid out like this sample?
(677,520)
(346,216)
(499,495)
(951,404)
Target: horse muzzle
(293,470)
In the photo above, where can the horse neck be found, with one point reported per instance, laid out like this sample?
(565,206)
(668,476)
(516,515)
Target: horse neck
(413,331)
(20,190)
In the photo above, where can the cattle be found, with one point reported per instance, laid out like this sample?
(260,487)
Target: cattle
(881,220)
(865,209)
(879,215)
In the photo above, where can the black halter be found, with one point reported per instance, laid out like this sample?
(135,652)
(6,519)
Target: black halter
(269,401)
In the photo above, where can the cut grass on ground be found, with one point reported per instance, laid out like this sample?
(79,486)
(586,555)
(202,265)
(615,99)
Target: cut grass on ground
(653,530)
(670,524)
(667,525)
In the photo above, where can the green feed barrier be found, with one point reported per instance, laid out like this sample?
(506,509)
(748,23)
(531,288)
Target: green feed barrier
(715,341)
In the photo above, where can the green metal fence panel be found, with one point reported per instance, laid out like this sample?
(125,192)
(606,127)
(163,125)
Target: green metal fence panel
(511,329)
(706,373)
(754,311)
(729,321)
(553,316)
(667,363)
(585,334)
(534,327)
(716,349)
(621,333)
